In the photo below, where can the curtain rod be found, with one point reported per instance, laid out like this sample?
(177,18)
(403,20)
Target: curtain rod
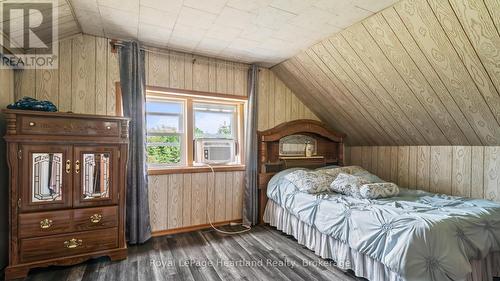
(120,44)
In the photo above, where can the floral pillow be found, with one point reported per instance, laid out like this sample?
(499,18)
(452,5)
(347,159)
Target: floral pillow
(369,177)
(378,190)
(309,181)
(348,184)
(329,167)
(347,170)
(353,169)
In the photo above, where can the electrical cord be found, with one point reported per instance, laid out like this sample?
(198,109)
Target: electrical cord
(247,228)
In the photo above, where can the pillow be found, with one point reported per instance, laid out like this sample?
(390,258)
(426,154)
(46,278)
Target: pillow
(347,170)
(348,184)
(309,181)
(369,177)
(378,190)
(331,172)
(327,167)
(353,169)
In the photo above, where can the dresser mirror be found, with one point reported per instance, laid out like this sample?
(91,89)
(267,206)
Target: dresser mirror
(96,175)
(295,145)
(46,179)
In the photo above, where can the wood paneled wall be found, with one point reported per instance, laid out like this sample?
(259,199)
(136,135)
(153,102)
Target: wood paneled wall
(469,171)
(185,71)
(85,83)
(7,87)
(277,103)
(184,200)
(423,72)
(6,97)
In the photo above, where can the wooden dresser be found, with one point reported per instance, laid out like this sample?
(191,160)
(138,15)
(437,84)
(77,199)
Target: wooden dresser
(67,188)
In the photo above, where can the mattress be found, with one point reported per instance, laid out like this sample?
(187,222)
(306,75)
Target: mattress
(415,236)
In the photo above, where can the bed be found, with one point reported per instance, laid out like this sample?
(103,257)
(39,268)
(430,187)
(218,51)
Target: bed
(415,235)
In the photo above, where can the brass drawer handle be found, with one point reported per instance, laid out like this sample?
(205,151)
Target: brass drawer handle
(68,166)
(73,243)
(45,223)
(108,127)
(32,124)
(95,218)
(77,166)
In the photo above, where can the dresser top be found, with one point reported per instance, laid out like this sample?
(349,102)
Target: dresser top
(29,125)
(61,114)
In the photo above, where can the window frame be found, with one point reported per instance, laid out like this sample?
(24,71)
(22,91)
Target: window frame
(235,126)
(190,97)
(182,125)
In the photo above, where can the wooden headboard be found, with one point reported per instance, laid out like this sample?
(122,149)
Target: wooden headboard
(329,150)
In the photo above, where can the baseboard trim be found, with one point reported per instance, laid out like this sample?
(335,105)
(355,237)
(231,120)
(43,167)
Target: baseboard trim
(191,228)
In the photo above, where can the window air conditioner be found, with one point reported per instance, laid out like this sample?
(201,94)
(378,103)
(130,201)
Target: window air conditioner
(215,151)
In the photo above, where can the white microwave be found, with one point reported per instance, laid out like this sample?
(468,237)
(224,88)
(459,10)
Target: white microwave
(215,151)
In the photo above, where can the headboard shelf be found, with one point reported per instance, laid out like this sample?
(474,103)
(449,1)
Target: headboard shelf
(302,157)
(291,136)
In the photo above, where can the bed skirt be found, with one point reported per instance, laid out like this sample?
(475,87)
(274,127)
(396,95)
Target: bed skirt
(346,258)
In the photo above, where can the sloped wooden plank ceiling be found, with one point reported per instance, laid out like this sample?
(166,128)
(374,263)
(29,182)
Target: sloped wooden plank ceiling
(423,72)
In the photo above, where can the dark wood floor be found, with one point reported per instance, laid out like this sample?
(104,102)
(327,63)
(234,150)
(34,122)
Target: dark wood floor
(188,257)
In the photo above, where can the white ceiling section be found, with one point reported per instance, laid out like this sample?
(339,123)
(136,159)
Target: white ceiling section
(262,31)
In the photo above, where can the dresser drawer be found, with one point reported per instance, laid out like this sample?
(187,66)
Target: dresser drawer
(35,125)
(92,218)
(44,223)
(57,222)
(42,248)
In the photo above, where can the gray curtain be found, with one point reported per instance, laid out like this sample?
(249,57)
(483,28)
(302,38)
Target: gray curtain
(251,199)
(132,80)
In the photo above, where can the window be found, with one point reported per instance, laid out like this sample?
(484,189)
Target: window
(187,129)
(165,131)
(215,121)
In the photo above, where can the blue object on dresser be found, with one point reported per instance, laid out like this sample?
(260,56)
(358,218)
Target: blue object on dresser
(28,103)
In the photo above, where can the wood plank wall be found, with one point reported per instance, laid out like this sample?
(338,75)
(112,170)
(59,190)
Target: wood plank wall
(85,83)
(277,103)
(185,200)
(7,88)
(6,97)
(469,171)
(423,72)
